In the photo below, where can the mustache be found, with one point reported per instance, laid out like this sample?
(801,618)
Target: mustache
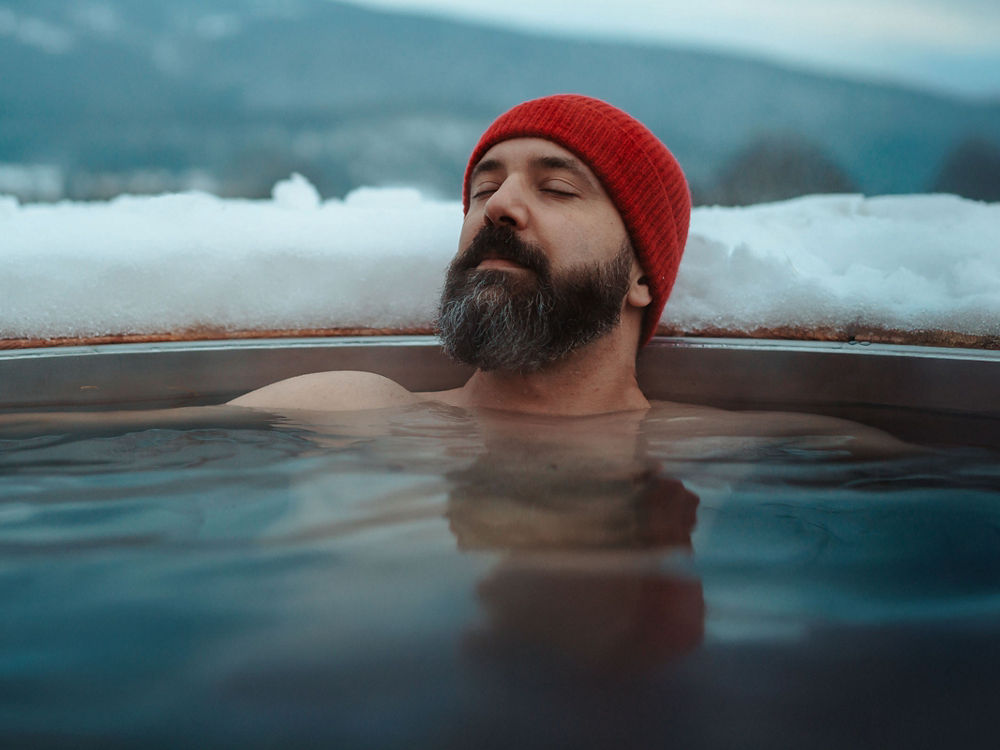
(500,241)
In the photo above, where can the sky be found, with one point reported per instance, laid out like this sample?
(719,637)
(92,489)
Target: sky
(951,45)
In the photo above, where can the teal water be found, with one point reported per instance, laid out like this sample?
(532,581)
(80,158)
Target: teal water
(430,577)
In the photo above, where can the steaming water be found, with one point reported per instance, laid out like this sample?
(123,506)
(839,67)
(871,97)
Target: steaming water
(433,578)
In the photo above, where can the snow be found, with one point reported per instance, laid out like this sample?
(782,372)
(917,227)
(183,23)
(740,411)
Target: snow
(919,262)
(376,259)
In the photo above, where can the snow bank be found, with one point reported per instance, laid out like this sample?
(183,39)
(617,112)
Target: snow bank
(377,258)
(920,262)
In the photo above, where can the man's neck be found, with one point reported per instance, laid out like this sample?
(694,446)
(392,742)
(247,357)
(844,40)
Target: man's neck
(596,379)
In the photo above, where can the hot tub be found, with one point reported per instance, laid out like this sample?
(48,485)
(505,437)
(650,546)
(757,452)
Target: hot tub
(426,577)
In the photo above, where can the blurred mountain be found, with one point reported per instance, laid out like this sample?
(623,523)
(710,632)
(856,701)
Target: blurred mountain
(775,168)
(972,169)
(101,96)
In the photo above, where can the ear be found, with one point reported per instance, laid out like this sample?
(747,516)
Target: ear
(638,289)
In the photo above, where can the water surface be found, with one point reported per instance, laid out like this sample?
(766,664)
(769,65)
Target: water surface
(430,577)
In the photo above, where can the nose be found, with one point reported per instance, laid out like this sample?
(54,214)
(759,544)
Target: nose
(507,205)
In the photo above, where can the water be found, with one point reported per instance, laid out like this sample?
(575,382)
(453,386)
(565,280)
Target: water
(433,578)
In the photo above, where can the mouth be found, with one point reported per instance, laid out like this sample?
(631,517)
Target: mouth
(498,248)
(499,264)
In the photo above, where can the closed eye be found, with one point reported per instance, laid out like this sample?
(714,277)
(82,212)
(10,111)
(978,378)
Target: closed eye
(558,191)
(484,190)
(560,187)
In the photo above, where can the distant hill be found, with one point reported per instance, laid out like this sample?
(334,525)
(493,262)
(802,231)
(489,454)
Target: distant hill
(231,95)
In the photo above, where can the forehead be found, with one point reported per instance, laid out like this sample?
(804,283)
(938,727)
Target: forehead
(517,153)
(513,148)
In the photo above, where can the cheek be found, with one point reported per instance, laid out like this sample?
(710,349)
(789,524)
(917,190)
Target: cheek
(470,226)
(590,244)
(596,233)
(613,229)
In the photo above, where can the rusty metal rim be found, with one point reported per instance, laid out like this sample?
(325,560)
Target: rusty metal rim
(845,334)
(737,373)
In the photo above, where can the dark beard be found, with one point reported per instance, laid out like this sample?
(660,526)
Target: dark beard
(497,320)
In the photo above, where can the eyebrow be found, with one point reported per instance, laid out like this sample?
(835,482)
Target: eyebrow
(560,162)
(539,162)
(487,165)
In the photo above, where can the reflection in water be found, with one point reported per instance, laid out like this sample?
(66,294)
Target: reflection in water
(431,577)
(586,522)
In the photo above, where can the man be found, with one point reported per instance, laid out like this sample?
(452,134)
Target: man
(576,216)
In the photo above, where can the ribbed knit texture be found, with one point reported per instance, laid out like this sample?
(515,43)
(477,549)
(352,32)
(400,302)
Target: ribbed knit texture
(640,175)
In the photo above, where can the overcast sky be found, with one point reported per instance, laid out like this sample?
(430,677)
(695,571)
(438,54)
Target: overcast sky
(943,44)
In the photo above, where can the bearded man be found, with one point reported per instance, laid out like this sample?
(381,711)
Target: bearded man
(576,216)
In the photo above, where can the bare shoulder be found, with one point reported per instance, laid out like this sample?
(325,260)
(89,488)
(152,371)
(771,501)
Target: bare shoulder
(339,390)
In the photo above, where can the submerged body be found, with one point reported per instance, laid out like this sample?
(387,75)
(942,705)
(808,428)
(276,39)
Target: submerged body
(676,421)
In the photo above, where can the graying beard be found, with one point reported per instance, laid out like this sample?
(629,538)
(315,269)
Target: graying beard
(501,339)
(519,340)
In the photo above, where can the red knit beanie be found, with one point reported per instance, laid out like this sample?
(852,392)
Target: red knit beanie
(640,175)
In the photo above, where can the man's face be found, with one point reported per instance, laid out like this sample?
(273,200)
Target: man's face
(544,261)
